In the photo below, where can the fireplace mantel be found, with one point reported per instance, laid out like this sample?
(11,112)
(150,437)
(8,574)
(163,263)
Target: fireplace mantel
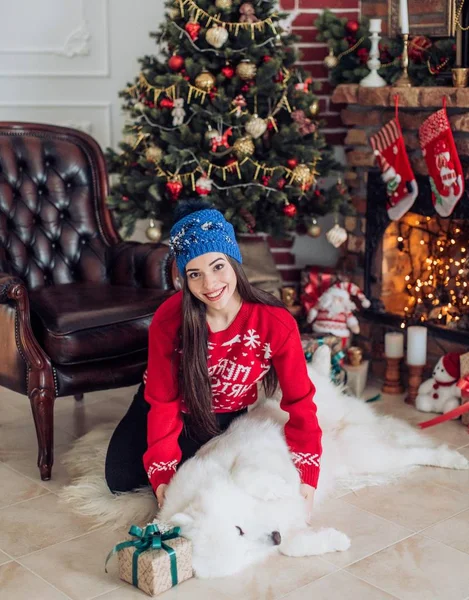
(413,97)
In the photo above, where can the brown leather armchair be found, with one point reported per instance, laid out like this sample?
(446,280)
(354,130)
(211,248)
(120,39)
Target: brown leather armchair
(75,301)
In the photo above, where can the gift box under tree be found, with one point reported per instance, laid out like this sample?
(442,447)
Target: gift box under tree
(155,560)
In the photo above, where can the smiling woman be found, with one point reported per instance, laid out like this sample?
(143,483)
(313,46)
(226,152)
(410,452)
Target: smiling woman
(209,346)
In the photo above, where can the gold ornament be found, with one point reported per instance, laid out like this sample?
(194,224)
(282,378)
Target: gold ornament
(246,70)
(256,127)
(314,230)
(302,176)
(244,146)
(216,36)
(314,108)
(224,4)
(205,81)
(154,232)
(336,236)
(154,154)
(331,61)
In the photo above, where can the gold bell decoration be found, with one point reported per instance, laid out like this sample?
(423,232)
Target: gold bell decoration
(154,231)
(256,127)
(246,70)
(314,230)
(331,61)
(205,81)
(244,146)
(154,154)
(216,36)
(302,176)
(224,4)
(314,108)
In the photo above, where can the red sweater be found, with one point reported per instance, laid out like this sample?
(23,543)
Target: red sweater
(238,357)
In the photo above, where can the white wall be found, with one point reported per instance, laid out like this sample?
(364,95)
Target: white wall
(64,61)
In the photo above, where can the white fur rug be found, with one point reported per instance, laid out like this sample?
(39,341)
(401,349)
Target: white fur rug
(89,494)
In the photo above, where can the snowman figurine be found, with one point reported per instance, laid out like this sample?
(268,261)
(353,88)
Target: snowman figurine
(440,393)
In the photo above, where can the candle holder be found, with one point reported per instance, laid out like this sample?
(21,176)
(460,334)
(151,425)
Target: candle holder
(404,80)
(392,378)
(373,63)
(415,379)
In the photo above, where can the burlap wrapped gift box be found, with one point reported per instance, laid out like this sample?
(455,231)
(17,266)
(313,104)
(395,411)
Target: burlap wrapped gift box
(155,560)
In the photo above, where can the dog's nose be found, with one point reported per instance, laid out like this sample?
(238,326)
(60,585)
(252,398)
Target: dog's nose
(276,538)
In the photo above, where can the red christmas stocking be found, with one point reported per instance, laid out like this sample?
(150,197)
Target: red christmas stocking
(444,166)
(391,155)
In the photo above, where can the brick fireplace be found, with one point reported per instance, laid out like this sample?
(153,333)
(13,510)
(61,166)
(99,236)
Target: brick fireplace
(374,258)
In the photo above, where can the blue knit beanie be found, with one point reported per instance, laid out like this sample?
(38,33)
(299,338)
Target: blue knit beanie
(199,232)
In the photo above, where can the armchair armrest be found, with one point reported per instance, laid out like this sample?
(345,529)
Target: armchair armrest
(24,363)
(140,265)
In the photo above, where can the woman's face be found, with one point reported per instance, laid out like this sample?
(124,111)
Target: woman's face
(211,279)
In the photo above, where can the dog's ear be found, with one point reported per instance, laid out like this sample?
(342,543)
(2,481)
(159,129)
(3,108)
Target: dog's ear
(181,520)
(322,360)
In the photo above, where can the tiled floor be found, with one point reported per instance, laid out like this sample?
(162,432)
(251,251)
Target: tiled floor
(409,540)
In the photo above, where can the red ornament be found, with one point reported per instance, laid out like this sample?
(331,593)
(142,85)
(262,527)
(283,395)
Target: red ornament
(270,125)
(174,189)
(281,183)
(176,62)
(280,77)
(418,47)
(212,93)
(266,58)
(193,30)
(245,88)
(125,198)
(228,71)
(265,180)
(289,210)
(363,55)
(352,26)
(166,103)
(292,162)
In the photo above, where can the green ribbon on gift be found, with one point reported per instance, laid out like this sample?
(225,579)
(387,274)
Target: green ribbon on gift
(149,539)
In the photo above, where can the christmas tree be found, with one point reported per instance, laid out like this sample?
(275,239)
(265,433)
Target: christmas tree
(223,113)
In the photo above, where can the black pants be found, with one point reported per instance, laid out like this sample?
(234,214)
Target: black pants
(124,460)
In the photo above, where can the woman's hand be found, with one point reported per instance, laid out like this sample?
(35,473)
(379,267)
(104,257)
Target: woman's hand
(161,493)
(307,491)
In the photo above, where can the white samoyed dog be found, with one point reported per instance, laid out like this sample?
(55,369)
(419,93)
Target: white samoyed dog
(238,499)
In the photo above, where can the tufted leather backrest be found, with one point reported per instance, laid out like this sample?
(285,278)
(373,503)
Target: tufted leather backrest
(54,225)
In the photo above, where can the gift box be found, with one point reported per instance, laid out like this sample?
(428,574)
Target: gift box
(311,342)
(464,384)
(315,281)
(155,560)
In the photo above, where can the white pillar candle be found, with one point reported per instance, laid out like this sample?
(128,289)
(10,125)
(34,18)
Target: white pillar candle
(403,16)
(416,345)
(394,345)
(375,25)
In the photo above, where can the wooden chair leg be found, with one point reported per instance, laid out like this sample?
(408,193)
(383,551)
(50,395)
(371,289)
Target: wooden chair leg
(42,406)
(79,397)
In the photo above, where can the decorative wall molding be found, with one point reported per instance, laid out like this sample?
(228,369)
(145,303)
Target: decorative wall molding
(78,43)
(95,123)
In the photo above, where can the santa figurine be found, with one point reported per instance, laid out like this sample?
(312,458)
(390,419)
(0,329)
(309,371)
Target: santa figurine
(440,393)
(333,312)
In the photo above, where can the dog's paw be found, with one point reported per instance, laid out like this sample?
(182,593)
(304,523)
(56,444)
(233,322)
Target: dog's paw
(337,541)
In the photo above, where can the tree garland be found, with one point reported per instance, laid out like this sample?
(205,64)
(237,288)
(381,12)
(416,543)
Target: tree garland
(430,61)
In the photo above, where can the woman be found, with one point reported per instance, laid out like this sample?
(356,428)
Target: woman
(209,346)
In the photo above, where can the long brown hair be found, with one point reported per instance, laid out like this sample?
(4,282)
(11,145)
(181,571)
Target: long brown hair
(194,379)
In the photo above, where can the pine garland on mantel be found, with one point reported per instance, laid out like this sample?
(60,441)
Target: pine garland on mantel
(430,59)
